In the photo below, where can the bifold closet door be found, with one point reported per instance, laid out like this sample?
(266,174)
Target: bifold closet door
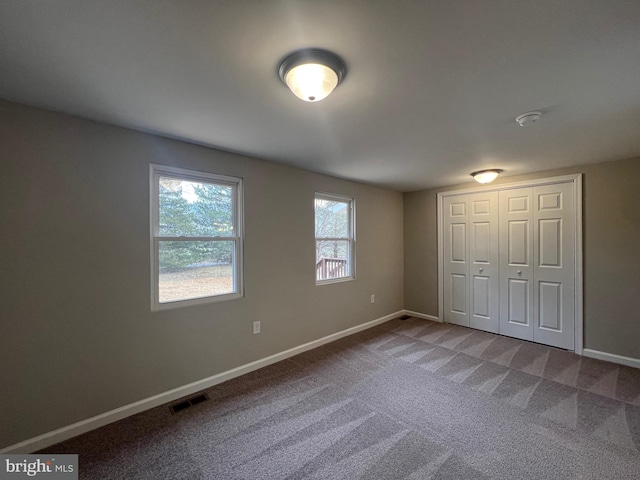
(483,261)
(471,260)
(456,262)
(537,264)
(516,263)
(554,265)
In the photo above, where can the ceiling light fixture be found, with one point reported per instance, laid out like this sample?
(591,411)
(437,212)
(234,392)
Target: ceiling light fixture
(486,176)
(528,118)
(312,73)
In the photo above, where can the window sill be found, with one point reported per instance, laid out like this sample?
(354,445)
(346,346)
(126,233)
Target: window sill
(156,307)
(334,280)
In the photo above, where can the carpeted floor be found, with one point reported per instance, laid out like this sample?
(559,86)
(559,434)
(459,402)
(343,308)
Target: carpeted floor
(405,400)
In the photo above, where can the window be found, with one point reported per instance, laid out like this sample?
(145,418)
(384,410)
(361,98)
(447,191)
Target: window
(196,237)
(335,239)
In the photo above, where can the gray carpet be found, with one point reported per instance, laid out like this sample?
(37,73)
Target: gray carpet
(405,400)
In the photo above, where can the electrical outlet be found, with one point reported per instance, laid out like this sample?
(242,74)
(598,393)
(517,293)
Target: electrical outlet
(373,299)
(256,327)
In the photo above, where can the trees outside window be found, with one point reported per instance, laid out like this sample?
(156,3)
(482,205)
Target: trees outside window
(196,236)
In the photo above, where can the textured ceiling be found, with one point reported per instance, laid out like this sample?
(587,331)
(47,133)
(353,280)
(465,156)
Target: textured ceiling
(431,92)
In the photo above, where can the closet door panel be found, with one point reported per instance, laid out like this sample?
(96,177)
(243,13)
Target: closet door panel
(554,270)
(518,302)
(483,261)
(456,264)
(516,263)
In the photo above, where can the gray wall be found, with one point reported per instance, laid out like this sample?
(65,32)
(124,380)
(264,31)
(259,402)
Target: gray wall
(78,337)
(611,224)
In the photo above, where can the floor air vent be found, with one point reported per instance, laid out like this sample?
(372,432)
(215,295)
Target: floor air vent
(189,402)
(404,317)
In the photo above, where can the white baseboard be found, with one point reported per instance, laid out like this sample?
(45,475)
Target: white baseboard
(611,357)
(51,438)
(421,315)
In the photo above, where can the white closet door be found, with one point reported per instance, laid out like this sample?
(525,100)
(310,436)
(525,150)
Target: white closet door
(483,261)
(516,263)
(554,271)
(510,261)
(456,263)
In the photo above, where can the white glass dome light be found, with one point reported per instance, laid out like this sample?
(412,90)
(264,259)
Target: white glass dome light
(486,176)
(311,82)
(312,74)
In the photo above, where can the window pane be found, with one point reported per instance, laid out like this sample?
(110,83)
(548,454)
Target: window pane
(332,259)
(195,269)
(332,218)
(192,208)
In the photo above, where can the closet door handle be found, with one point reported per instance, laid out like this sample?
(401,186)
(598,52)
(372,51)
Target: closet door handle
(519,272)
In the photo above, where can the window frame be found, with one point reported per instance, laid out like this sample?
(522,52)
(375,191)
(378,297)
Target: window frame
(351,260)
(155,172)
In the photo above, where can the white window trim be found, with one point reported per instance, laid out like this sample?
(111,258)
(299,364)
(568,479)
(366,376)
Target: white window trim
(156,171)
(352,237)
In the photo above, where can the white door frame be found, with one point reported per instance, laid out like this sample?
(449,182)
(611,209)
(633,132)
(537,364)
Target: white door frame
(576,179)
